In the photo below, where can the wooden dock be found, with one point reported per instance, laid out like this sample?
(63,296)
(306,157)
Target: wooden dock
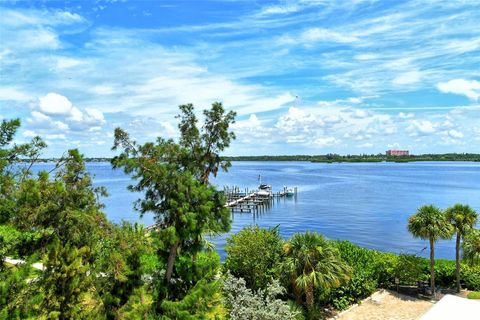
(248,201)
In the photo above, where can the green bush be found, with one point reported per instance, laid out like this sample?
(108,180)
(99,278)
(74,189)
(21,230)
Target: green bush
(474,295)
(359,287)
(470,277)
(410,269)
(254,254)
(371,269)
(445,275)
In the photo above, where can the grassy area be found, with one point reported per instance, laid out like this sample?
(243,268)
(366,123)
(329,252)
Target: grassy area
(474,295)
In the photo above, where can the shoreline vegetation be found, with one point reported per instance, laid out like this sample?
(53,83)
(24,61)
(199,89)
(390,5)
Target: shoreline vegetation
(328,158)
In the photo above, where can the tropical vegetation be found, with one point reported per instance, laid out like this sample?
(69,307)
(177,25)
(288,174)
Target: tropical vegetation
(462,218)
(61,258)
(430,223)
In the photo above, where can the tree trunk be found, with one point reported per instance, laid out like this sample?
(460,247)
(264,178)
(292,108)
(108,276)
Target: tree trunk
(194,265)
(457,257)
(170,262)
(432,267)
(309,296)
(297,293)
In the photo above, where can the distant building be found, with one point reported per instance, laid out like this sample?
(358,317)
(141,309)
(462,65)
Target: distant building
(397,153)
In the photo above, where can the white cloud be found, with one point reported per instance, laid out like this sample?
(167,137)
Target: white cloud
(94,116)
(326,141)
(39,120)
(55,104)
(39,117)
(325,35)
(366,56)
(272,10)
(360,113)
(421,127)
(468,88)
(366,145)
(61,126)
(29,134)
(66,63)
(13,94)
(75,115)
(455,134)
(55,137)
(94,129)
(403,115)
(103,89)
(35,39)
(409,77)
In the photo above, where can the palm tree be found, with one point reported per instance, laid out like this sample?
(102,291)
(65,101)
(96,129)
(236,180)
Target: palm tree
(313,263)
(471,246)
(462,218)
(430,223)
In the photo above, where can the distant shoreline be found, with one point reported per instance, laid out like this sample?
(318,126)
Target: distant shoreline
(333,158)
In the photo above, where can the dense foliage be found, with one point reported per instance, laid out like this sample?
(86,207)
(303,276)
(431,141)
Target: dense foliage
(254,254)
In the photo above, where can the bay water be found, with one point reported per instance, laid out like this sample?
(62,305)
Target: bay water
(366,203)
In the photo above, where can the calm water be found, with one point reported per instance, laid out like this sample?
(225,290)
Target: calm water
(366,203)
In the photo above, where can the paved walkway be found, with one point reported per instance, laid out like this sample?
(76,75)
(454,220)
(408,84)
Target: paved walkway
(385,305)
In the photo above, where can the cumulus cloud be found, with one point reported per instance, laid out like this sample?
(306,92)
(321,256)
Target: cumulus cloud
(421,127)
(55,104)
(39,120)
(468,88)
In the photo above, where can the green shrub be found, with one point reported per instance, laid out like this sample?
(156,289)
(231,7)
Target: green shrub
(445,275)
(470,277)
(359,287)
(474,295)
(254,254)
(410,269)
(371,269)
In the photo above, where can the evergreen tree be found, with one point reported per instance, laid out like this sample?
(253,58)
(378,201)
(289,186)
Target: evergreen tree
(65,281)
(174,179)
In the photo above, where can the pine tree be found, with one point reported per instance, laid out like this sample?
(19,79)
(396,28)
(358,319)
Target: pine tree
(174,179)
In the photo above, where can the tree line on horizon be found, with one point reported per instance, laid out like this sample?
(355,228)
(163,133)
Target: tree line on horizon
(332,157)
(326,158)
(92,268)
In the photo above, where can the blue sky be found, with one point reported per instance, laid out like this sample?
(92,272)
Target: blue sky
(305,77)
